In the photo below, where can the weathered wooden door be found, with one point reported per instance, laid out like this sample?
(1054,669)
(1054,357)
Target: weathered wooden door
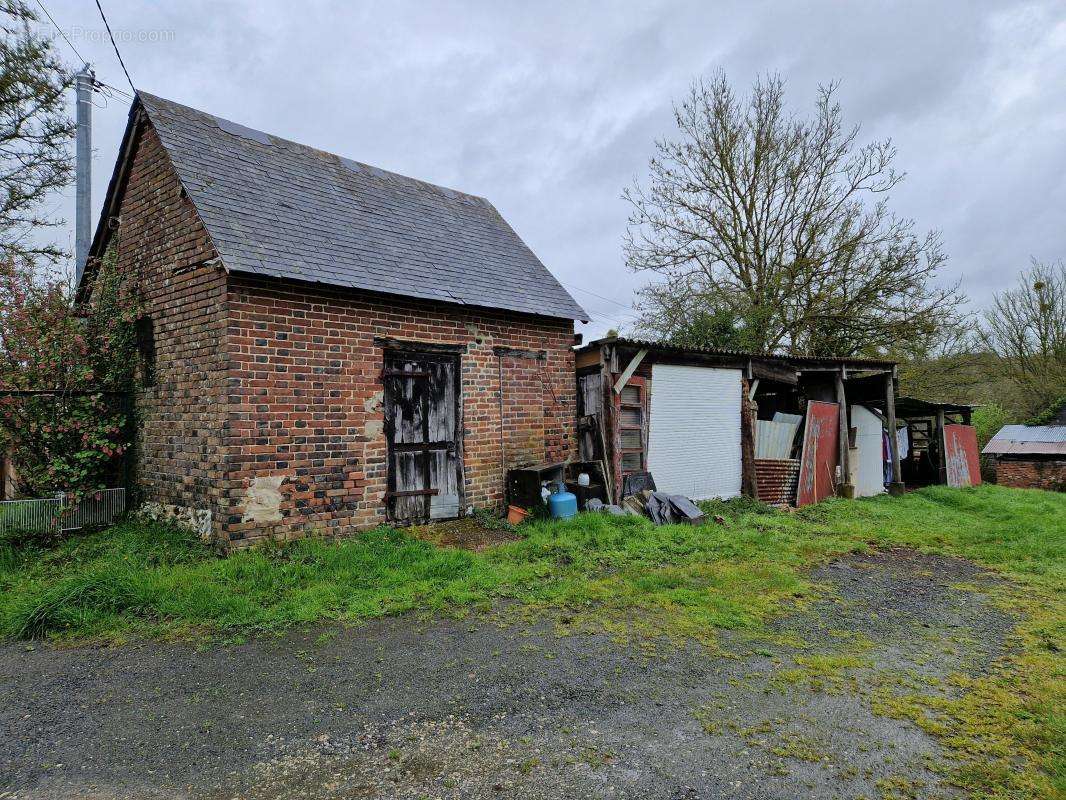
(422,426)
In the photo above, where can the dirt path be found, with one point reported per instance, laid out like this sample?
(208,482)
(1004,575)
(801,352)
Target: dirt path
(404,708)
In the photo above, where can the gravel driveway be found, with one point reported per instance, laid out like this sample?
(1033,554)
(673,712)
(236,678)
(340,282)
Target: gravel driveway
(412,708)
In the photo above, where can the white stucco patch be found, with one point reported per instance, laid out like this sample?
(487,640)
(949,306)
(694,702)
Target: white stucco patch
(374,402)
(197,520)
(262,501)
(374,428)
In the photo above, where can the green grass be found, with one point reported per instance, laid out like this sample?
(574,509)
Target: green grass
(618,574)
(140,579)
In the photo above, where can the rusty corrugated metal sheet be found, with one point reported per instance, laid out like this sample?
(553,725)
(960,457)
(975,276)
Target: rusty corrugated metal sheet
(1028,439)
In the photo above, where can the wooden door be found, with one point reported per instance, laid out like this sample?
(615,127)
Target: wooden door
(422,428)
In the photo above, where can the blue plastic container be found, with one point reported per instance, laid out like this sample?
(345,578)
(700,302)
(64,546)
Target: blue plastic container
(561,503)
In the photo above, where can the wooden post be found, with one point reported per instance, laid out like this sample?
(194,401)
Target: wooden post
(896,487)
(845,488)
(749,485)
(941,461)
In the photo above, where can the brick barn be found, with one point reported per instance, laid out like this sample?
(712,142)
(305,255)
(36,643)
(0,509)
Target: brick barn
(327,346)
(1031,456)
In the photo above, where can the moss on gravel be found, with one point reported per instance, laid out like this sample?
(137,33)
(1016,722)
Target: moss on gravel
(616,574)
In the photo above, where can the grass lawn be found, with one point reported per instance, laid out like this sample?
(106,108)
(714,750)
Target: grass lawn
(622,574)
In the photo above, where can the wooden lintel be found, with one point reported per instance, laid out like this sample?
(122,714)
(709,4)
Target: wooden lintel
(514,352)
(774,372)
(627,373)
(869,371)
(413,345)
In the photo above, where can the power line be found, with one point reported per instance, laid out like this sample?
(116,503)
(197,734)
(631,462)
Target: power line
(62,33)
(113,44)
(110,88)
(608,299)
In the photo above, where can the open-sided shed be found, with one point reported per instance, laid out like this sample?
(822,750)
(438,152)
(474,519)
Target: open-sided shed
(714,423)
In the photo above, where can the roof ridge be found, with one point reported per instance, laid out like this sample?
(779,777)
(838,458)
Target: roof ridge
(265,137)
(275,207)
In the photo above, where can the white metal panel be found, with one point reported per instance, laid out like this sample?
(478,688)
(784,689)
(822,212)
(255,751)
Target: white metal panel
(867,460)
(774,439)
(694,431)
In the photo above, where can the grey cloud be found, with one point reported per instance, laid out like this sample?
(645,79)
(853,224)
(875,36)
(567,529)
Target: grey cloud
(551,108)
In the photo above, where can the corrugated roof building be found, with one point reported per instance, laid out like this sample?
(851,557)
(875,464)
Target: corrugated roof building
(1030,456)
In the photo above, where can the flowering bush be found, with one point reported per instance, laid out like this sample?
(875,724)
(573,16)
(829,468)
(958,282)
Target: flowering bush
(65,370)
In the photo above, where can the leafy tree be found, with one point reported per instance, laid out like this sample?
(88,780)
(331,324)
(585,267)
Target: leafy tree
(988,419)
(784,223)
(67,422)
(697,324)
(941,362)
(60,364)
(1053,413)
(1025,328)
(35,134)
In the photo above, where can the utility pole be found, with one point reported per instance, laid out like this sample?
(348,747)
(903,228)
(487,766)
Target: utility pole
(83,85)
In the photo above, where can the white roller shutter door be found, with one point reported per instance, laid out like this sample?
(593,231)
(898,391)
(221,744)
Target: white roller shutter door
(694,431)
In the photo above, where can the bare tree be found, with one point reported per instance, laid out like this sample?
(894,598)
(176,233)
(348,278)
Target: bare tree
(784,223)
(1025,328)
(35,134)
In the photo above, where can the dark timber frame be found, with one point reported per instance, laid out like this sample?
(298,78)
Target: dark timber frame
(431,368)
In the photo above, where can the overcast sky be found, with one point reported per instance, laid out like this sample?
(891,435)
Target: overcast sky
(550,109)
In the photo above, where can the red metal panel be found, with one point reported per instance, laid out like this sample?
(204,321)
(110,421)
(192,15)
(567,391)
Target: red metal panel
(960,447)
(817,478)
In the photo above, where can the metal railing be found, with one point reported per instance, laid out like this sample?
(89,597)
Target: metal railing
(57,514)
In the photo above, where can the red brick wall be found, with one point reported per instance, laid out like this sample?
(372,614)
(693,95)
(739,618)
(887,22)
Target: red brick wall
(304,442)
(266,415)
(1032,474)
(160,241)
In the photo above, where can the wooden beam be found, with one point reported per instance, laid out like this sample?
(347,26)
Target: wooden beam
(749,485)
(413,345)
(627,373)
(845,487)
(754,388)
(896,487)
(941,462)
(514,352)
(774,372)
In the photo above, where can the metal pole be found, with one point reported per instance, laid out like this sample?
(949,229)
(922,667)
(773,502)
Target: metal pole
(83,83)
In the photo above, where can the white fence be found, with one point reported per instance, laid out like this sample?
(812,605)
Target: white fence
(57,514)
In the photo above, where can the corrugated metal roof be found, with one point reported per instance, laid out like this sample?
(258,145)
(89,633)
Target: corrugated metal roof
(668,347)
(281,209)
(1034,439)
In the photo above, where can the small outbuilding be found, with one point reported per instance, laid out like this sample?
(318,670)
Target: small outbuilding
(328,345)
(711,423)
(1030,456)
(924,448)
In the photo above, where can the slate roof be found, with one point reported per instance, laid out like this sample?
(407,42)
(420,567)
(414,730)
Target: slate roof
(285,210)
